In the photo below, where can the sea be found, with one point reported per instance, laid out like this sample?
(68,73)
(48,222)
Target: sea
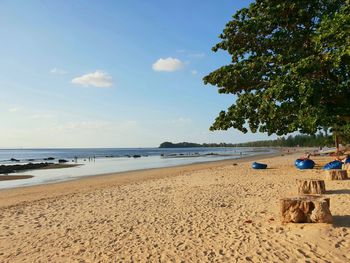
(98,161)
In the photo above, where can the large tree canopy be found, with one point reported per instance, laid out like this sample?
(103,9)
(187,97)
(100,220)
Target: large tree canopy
(289,69)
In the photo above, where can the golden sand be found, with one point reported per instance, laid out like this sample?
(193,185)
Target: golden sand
(213,212)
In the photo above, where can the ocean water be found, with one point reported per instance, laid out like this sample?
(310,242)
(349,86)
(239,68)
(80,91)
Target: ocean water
(103,161)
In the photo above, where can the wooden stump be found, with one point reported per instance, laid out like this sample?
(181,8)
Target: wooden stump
(311,186)
(346,167)
(336,174)
(306,209)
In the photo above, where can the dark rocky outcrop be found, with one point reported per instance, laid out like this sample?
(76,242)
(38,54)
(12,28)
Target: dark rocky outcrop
(6,169)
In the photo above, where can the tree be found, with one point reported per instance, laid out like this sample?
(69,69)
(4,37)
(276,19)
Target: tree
(290,67)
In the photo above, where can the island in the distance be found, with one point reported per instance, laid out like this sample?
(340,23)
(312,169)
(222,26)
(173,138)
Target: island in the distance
(179,145)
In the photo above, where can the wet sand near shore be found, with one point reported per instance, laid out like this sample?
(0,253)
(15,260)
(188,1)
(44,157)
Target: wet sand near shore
(14,177)
(213,212)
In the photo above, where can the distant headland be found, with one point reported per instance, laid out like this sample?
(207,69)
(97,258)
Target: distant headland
(291,141)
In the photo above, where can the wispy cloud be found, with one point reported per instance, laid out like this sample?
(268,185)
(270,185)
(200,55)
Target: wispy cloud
(13,109)
(58,71)
(181,121)
(99,79)
(196,55)
(99,125)
(194,72)
(42,116)
(167,64)
(191,54)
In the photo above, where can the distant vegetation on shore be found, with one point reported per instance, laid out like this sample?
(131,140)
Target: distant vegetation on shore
(290,141)
(179,145)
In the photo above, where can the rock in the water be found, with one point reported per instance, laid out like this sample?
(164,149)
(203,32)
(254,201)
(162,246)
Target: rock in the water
(6,169)
(62,161)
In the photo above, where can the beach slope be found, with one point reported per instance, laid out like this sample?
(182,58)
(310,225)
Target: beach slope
(201,213)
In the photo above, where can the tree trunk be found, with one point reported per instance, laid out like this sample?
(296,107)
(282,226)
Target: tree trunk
(311,186)
(336,174)
(307,209)
(336,142)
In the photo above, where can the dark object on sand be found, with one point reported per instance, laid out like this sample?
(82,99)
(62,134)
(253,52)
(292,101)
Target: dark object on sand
(137,156)
(256,165)
(62,161)
(297,161)
(333,165)
(304,164)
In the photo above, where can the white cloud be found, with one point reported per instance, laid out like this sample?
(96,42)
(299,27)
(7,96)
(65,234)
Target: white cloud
(97,79)
(168,64)
(194,72)
(58,71)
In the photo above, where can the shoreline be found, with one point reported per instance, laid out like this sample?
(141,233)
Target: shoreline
(16,195)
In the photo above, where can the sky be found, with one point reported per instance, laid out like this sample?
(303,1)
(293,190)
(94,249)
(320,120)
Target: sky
(117,73)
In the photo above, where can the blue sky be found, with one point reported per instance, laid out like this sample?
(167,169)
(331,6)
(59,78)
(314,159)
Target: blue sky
(111,73)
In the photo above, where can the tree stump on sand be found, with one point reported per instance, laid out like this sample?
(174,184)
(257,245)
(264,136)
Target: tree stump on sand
(346,167)
(306,209)
(311,186)
(336,174)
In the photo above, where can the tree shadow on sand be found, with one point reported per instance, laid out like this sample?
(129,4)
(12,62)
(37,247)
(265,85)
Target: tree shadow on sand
(341,221)
(339,191)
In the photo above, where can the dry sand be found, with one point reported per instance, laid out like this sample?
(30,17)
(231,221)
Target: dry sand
(217,212)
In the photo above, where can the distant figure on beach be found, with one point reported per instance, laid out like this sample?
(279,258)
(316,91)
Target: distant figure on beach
(306,156)
(343,158)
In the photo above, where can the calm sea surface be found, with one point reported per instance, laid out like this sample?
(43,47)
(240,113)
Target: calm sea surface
(101,160)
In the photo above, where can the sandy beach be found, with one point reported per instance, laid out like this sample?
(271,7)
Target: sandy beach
(211,212)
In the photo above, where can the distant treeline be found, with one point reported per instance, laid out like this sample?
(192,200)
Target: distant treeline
(291,141)
(179,145)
